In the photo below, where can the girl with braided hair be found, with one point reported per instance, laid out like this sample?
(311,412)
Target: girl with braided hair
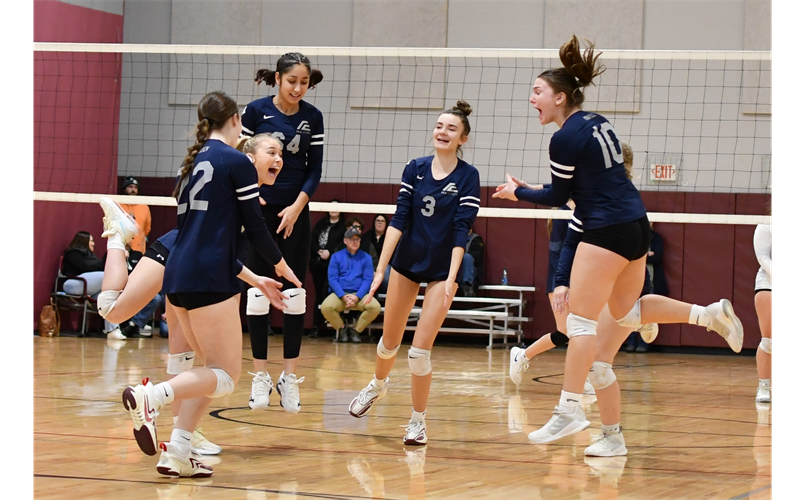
(217,194)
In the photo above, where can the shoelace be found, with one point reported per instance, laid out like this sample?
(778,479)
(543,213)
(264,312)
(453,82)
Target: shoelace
(261,389)
(293,387)
(414,427)
(364,395)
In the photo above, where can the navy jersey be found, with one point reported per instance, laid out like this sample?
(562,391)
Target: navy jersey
(557,237)
(587,166)
(302,136)
(215,201)
(434,216)
(168,240)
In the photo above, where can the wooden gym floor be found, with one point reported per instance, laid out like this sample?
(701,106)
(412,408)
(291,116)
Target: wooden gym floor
(690,422)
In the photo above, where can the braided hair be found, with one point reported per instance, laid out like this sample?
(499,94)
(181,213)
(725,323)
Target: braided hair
(214,110)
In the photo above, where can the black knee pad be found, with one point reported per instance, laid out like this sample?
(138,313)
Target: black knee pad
(558,338)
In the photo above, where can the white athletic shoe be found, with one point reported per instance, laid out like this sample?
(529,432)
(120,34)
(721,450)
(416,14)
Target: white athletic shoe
(518,364)
(763,394)
(607,445)
(415,433)
(146,331)
(203,446)
(117,220)
(366,398)
(726,323)
(173,464)
(560,425)
(142,408)
(589,393)
(649,332)
(288,387)
(115,334)
(262,387)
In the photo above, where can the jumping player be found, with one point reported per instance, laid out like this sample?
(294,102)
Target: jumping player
(217,194)
(437,204)
(123,294)
(609,267)
(300,127)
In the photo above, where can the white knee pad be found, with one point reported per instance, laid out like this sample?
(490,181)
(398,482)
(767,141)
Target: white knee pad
(257,304)
(765,345)
(384,353)
(225,385)
(182,362)
(632,318)
(601,375)
(419,361)
(578,326)
(106,301)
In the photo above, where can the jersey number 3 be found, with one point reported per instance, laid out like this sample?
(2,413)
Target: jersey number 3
(608,149)
(430,204)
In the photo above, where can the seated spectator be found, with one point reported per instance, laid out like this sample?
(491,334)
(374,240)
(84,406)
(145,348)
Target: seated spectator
(472,265)
(350,276)
(324,240)
(366,245)
(376,236)
(81,261)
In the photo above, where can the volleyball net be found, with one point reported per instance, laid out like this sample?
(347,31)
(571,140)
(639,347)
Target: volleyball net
(699,122)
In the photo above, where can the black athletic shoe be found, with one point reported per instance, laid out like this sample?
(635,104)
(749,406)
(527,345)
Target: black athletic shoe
(130,330)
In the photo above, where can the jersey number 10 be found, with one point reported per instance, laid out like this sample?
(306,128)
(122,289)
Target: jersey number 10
(608,149)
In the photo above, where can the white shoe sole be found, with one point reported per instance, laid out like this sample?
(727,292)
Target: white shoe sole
(728,317)
(571,429)
(615,453)
(649,332)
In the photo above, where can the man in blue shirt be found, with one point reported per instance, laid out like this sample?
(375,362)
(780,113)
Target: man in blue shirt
(350,274)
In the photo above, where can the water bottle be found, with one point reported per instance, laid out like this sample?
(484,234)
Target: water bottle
(505,279)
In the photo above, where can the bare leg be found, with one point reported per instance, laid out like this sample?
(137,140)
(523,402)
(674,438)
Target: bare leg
(610,337)
(592,279)
(139,288)
(400,299)
(763,308)
(431,319)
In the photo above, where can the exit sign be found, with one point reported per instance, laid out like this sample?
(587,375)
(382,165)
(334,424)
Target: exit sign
(663,172)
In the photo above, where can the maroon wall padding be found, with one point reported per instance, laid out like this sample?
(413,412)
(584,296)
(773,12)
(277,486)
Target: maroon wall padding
(709,259)
(673,237)
(76,115)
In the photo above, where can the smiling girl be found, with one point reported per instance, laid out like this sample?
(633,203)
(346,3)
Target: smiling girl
(300,127)
(439,199)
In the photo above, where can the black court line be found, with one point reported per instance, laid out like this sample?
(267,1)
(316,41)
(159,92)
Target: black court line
(211,486)
(217,414)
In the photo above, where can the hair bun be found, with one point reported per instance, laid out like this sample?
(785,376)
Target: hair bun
(463,107)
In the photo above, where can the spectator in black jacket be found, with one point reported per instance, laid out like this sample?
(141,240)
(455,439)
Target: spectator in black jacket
(80,261)
(472,266)
(327,234)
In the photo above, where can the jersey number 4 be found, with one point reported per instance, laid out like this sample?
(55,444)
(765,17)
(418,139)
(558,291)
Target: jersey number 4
(207,169)
(292,146)
(608,147)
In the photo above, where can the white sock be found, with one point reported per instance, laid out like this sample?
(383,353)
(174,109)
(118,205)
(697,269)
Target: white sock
(379,383)
(180,439)
(415,415)
(521,355)
(115,241)
(163,393)
(698,316)
(765,381)
(569,401)
(611,429)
